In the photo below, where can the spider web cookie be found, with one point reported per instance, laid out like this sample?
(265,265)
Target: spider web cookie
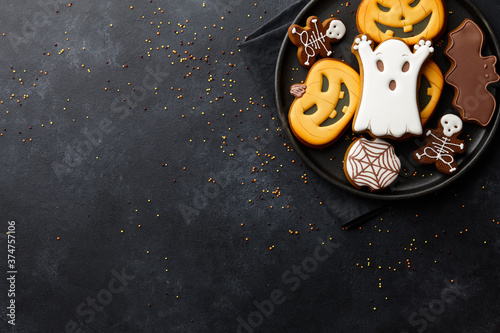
(373,164)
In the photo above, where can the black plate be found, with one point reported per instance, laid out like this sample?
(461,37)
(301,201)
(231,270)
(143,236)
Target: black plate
(415,180)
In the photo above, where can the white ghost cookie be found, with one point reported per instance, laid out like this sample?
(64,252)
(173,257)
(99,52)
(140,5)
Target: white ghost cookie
(389,76)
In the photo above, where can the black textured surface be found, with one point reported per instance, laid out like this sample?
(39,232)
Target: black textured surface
(203,256)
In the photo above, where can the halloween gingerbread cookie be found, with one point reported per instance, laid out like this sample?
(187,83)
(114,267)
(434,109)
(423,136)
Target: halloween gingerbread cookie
(315,115)
(409,20)
(315,38)
(431,72)
(442,144)
(389,78)
(371,164)
(471,73)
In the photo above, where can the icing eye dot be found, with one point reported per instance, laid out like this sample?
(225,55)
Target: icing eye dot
(406,67)
(446,122)
(380,65)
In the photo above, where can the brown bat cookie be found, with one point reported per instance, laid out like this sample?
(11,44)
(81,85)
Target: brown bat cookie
(315,38)
(442,144)
(471,73)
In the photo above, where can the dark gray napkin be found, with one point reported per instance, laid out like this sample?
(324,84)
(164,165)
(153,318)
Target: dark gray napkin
(261,48)
(260,52)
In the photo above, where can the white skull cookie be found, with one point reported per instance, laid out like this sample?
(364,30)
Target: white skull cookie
(451,125)
(336,30)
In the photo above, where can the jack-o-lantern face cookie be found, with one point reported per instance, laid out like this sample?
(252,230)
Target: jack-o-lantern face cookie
(432,90)
(315,38)
(324,105)
(442,144)
(371,164)
(409,20)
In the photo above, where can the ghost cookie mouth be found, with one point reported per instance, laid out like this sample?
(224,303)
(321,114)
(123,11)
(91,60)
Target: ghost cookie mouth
(407,31)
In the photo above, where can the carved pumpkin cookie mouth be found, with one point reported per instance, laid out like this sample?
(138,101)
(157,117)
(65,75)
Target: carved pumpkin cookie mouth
(416,30)
(342,105)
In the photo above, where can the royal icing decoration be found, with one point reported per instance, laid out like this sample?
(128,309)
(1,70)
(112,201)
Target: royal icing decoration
(442,144)
(314,116)
(410,20)
(371,163)
(471,73)
(389,76)
(315,38)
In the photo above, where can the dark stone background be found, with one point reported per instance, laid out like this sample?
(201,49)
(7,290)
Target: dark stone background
(99,190)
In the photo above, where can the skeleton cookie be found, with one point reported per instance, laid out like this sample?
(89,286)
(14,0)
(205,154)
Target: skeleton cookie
(442,144)
(315,38)
(389,76)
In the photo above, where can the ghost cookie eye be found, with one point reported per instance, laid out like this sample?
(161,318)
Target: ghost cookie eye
(380,65)
(406,67)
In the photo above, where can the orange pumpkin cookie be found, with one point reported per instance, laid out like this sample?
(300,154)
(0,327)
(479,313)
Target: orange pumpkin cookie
(315,38)
(431,72)
(325,104)
(409,20)
(390,76)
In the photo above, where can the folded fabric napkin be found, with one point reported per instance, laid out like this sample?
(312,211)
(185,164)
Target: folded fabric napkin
(260,52)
